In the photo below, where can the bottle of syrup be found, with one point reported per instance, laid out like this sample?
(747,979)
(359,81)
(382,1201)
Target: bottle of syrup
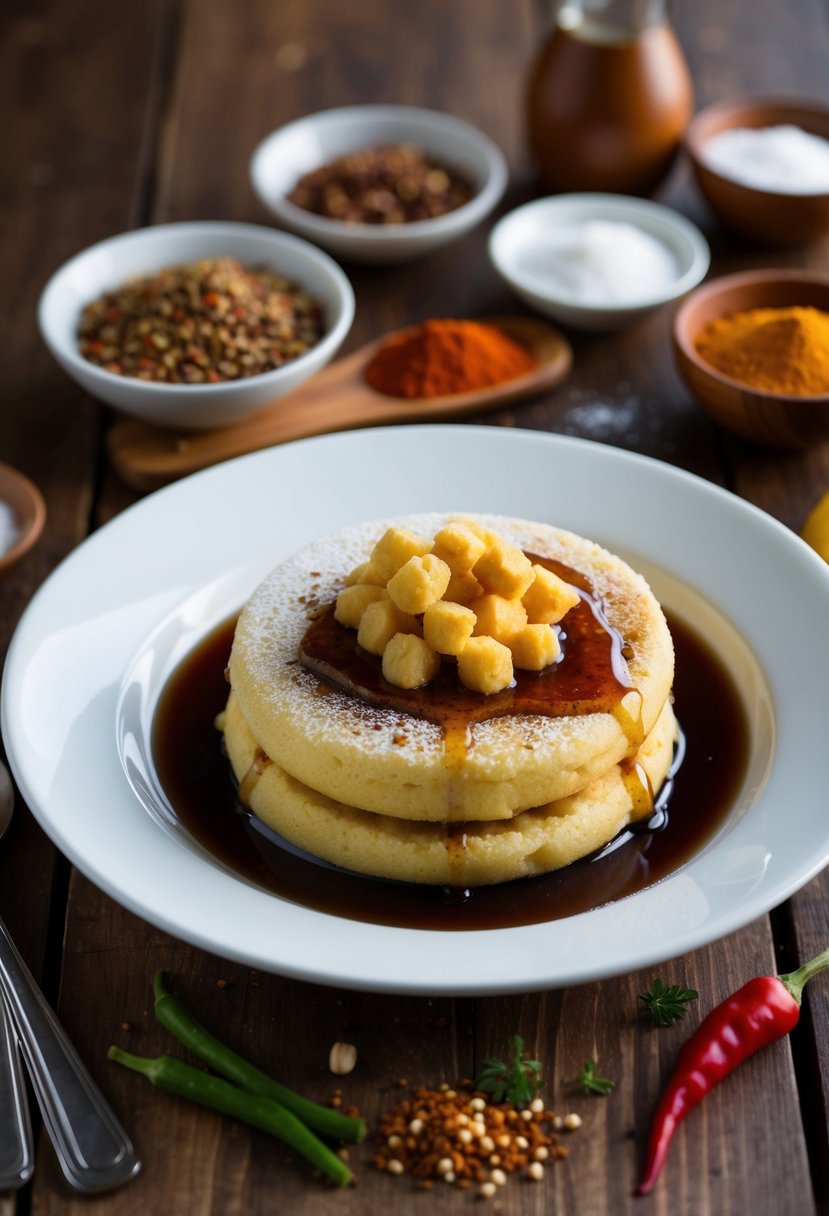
(609,97)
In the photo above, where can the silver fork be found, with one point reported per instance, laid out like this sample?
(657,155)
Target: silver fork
(16,1149)
(93,1150)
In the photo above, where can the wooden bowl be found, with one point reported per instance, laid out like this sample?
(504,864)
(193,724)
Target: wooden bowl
(27,505)
(771,419)
(764,216)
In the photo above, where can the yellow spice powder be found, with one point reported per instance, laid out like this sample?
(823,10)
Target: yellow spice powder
(774,350)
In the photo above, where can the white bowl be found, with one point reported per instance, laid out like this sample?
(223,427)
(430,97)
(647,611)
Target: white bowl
(110,263)
(517,243)
(282,157)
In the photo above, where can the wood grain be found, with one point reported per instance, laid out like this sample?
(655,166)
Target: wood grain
(126,115)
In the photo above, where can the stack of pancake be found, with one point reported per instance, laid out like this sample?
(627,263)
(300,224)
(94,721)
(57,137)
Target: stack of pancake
(376,789)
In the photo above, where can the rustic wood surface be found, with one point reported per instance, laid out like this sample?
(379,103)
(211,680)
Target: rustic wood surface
(120,115)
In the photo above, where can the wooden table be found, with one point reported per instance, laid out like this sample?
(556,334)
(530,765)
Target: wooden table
(119,116)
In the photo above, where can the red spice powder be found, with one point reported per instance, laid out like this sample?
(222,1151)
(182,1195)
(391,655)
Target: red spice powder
(442,357)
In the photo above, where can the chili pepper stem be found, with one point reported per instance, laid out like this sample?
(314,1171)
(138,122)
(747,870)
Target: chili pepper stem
(149,1068)
(795,981)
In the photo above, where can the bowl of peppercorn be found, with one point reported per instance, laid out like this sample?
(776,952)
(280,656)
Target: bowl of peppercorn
(378,183)
(195,325)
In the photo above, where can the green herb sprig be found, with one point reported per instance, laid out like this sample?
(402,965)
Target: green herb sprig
(591,1083)
(667,1004)
(517,1082)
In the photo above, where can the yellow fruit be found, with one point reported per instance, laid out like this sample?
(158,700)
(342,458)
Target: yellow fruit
(815,531)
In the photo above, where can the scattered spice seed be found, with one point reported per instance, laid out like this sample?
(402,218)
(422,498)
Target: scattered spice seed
(200,323)
(386,184)
(449,1135)
(342,1058)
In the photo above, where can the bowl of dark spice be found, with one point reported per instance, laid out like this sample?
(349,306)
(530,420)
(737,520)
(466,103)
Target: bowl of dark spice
(379,183)
(753,350)
(195,325)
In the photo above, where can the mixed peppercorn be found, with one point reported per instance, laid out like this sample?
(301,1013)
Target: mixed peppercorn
(388,184)
(201,323)
(457,1136)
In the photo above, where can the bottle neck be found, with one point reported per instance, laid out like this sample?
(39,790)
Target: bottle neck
(612,20)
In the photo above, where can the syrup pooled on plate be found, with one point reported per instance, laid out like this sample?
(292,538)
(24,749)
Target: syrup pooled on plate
(687,813)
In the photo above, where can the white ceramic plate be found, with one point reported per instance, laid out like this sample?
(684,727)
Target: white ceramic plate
(136,595)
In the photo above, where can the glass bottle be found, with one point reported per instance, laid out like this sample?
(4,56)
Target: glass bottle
(609,97)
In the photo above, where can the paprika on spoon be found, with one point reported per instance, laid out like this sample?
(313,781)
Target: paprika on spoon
(763,1010)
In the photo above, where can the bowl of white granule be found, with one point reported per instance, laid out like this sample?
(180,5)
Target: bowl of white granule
(762,165)
(598,261)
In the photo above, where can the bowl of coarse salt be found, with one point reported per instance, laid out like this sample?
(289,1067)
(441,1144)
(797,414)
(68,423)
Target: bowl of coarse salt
(598,261)
(22,515)
(762,165)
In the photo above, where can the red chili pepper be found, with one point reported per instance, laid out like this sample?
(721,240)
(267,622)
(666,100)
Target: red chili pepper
(761,1011)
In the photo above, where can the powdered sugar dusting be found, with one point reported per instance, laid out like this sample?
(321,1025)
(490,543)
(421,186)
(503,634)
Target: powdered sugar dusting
(275,619)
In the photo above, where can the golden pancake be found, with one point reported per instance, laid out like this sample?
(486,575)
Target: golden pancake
(396,764)
(473,854)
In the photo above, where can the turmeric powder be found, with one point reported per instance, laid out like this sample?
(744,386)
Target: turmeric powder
(773,350)
(446,356)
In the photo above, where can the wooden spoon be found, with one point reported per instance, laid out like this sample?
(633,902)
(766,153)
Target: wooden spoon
(337,399)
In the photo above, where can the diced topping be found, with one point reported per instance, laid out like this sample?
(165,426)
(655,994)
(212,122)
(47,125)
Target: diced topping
(408,662)
(548,598)
(353,601)
(420,583)
(498,617)
(504,570)
(463,588)
(380,622)
(534,647)
(485,665)
(459,547)
(447,626)
(468,594)
(394,548)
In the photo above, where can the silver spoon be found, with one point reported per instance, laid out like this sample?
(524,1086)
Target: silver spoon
(93,1150)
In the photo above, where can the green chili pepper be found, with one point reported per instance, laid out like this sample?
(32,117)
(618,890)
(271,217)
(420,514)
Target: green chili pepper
(187,1082)
(172,1014)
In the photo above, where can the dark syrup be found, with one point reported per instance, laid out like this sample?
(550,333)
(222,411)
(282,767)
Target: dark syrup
(195,774)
